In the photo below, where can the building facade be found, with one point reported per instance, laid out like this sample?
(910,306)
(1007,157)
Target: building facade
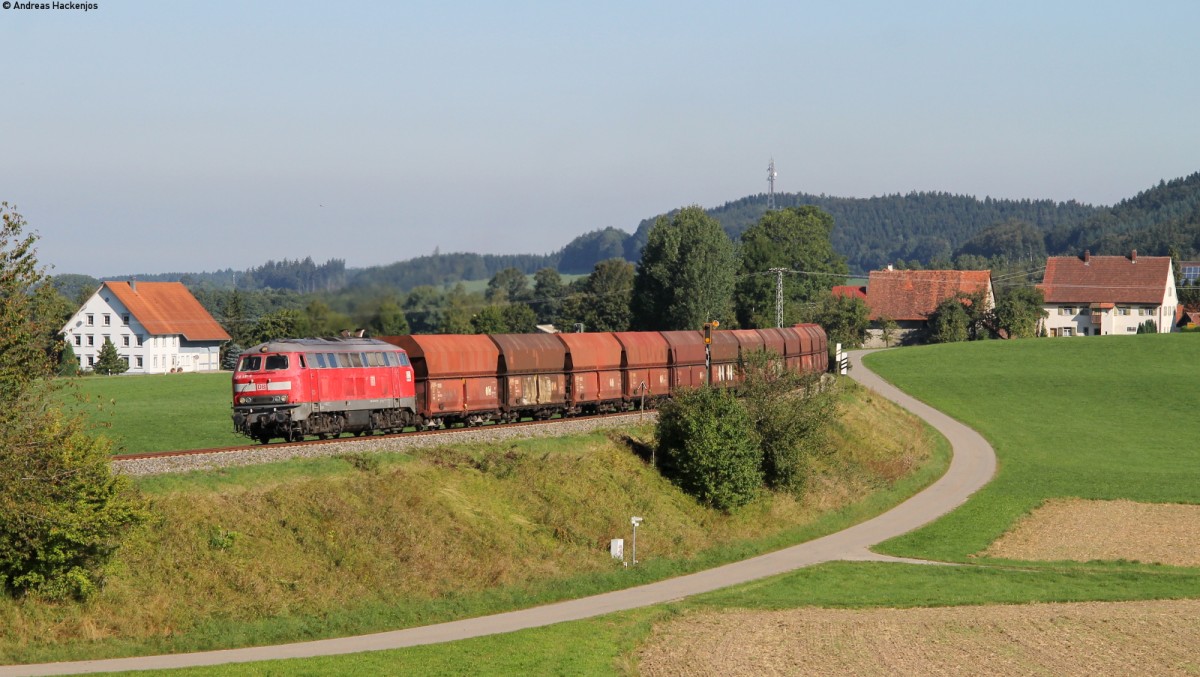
(156,327)
(1106,295)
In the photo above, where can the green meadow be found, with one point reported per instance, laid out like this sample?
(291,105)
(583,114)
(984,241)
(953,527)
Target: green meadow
(1103,418)
(1099,418)
(160,412)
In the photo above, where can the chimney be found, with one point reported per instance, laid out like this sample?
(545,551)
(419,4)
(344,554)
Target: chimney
(889,266)
(1087,256)
(1133,256)
(133,284)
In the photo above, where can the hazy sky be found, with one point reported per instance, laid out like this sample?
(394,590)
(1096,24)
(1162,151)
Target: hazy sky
(191,136)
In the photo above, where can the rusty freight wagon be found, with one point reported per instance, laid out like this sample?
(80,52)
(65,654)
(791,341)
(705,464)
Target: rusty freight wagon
(646,377)
(593,367)
(456,377)
(532,374)
(685,359)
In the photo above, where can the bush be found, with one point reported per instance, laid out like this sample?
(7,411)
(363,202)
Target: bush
(62,511)
(790,413)
(707,445)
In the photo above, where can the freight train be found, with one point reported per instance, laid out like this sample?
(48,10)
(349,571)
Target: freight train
(293,388)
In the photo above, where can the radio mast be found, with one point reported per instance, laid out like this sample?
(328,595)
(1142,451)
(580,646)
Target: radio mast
(771,174)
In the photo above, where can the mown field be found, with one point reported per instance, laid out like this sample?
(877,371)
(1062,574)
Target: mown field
(1095,418)
(160,412)
(340,546)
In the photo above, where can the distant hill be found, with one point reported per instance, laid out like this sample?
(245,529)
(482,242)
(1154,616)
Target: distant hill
(870,232)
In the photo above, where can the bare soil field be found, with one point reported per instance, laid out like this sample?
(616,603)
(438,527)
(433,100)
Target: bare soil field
(1095,638)
(1079,530)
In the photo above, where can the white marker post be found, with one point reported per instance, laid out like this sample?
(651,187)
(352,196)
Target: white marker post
(635,521)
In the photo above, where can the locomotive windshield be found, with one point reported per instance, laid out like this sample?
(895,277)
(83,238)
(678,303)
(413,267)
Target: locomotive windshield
(255,363)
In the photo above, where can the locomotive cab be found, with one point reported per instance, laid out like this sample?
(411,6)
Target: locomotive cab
(263,397)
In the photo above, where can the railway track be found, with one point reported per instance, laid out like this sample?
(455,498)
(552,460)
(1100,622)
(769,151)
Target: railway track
(162,462)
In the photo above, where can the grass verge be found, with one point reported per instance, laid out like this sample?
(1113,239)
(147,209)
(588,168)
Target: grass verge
(311,549)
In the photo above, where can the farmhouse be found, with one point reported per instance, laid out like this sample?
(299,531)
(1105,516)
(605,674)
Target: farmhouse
(157,327)
(909,297)
(1099,295)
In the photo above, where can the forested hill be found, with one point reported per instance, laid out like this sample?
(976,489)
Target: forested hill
(873,232)
(1153,222)
(439,269)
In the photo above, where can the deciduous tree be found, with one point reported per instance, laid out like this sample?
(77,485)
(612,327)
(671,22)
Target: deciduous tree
(1019,310)
(62,511)
(796,238)
(686,274)
(845,319)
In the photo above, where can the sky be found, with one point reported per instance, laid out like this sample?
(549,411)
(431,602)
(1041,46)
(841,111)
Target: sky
(188,136)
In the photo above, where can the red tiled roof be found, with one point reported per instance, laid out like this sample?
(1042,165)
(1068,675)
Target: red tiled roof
(1106,279)
(850,291)
(166,308)
(914,294)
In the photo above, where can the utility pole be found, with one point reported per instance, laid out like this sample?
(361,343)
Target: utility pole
(778,295)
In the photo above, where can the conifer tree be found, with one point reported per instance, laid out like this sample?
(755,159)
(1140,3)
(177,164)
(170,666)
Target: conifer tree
(108,362)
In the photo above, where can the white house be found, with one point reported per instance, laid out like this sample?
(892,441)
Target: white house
(1100,295)
(157,327)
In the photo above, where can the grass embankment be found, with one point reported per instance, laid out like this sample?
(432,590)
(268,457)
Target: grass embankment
(161,412)
(1098,418)
(334,547)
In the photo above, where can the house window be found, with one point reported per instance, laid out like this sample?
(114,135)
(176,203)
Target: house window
(125,341)
(125,319)
(138,361)
(91,360)
(1085,311)
(126,358)
(91,320)
(1083,331)
(107,320)
(140,340)
(91,340)
(1123,310)
(78,340)
(1066,331)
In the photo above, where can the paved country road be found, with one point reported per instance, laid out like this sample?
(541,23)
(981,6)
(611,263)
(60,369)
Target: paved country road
(973,465)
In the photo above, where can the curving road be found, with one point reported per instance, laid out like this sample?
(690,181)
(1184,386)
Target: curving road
(973,465)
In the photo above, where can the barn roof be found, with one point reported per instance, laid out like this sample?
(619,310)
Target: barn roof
(914,294)
(850,291)
(1106,279)
(167,308)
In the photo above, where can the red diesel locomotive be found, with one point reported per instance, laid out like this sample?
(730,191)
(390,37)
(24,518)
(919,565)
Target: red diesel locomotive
(296,387)
(325,387)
